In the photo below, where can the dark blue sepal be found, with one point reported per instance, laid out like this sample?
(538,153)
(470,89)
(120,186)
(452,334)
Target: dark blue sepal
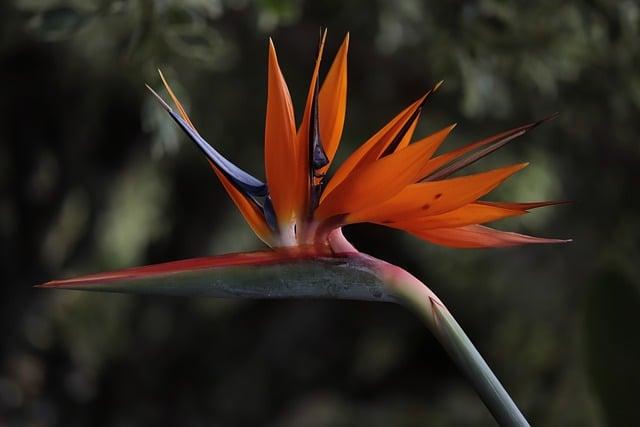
(318,158)
(270,214)
(246,182)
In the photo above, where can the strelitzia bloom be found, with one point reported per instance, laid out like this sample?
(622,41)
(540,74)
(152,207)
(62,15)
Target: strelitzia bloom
(300,209)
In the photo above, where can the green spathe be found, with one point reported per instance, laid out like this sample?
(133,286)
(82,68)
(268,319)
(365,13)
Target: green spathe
(353,276)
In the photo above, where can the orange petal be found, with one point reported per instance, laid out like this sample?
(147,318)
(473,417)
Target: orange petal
(380,180)
(249,209)
(303,142)
(332,104)
(472,213)
(479,236)
(406,138)
(432,198)
(433,141)
(373,148)
(281,162)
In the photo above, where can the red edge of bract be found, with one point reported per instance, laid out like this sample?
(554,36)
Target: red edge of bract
(228,260)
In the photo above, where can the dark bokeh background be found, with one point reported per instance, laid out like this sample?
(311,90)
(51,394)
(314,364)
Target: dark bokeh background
(94,176)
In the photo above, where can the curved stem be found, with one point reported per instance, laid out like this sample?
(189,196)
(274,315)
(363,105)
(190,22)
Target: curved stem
(418,297)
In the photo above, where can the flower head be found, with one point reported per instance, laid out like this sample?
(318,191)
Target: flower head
(388,180)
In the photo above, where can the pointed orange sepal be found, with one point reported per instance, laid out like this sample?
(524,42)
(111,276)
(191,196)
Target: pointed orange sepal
(406,138)
(472,213)
(432,198)
(479,236)
(433,141)
(247,207)
(380,180)
(174,98)
(279,147)
(332,104)
(373,148)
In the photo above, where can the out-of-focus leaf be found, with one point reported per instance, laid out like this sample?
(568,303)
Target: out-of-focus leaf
(612,318)
(58,23)
(273,13)
(209,8)
(201,42)
(35,5)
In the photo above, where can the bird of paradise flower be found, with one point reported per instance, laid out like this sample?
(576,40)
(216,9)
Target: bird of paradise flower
(299,213)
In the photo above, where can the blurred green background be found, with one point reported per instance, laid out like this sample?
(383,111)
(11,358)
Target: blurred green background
(94,176)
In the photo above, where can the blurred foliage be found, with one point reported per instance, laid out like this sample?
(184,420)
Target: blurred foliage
(612,350)
(93,176)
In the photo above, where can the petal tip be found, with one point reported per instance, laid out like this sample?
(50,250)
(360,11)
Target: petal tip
(425,97)
(159,98)
(555,241)
(52,284)
(544,120)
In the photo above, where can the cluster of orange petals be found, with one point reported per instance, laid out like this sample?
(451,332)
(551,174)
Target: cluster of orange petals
(388,180)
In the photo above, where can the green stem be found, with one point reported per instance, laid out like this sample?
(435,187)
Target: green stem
(418,297)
